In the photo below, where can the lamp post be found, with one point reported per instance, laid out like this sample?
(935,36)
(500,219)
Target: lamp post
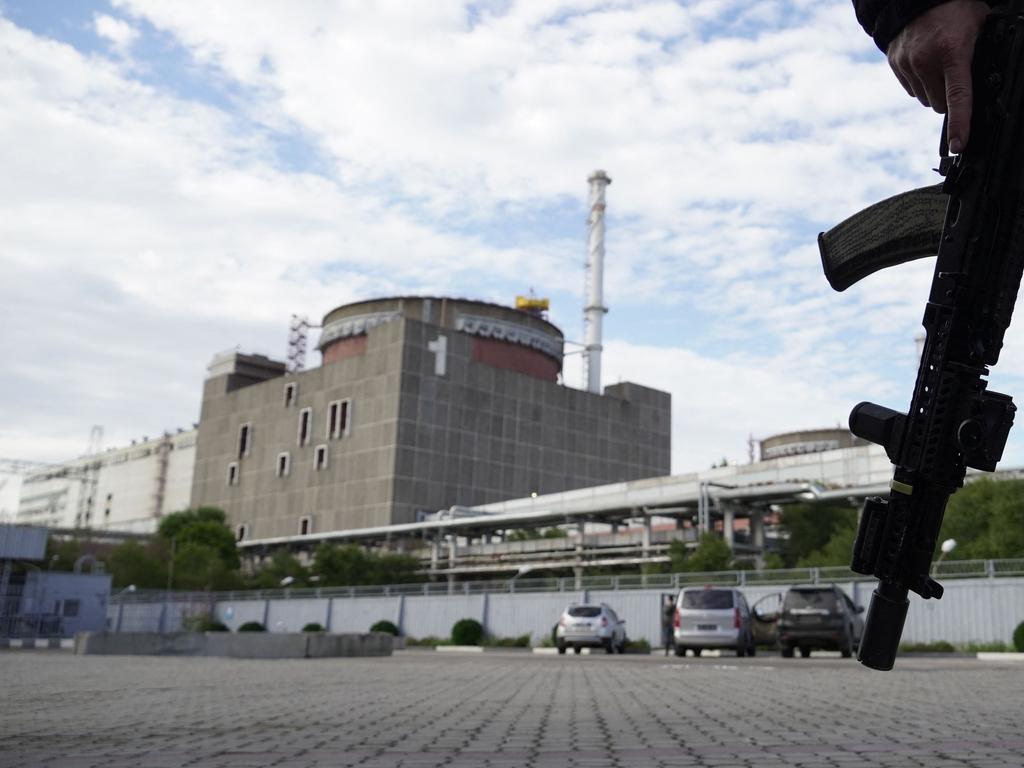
(170,581)
(947,546)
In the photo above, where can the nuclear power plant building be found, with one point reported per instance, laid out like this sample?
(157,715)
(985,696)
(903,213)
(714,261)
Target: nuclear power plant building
(419,404)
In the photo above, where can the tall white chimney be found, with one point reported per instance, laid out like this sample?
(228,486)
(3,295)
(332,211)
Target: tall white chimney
(594,309)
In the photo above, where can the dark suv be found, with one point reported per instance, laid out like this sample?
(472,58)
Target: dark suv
(819,617)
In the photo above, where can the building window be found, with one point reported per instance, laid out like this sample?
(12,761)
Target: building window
(320,460)
(305,418)
(284,462)
(244,439)
(70,609)
(233,473)
(241,532)
(290,394)
(339,419)
(305,525)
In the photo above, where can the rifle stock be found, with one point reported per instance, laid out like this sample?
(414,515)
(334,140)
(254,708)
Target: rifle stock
(953,421)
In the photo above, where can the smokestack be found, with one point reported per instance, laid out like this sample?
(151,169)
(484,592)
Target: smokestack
(594,309)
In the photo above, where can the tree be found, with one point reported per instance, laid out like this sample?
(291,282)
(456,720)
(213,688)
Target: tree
(133,563)
(198,566)
(340,566)
(350,565)
(711,554)
(809,527)
(62,553)
(837,550)
(986,517)
(282,565)
(205,556)
(530,534)
(203,527)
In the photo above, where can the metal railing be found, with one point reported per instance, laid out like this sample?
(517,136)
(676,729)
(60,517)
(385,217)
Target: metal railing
(950,569)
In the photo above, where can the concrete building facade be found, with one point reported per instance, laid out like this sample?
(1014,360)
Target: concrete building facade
(120,489)
(420,404)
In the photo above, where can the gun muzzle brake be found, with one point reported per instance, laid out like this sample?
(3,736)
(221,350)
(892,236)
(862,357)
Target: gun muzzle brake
(883,626)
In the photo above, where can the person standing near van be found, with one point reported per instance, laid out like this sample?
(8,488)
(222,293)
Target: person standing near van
(668,616)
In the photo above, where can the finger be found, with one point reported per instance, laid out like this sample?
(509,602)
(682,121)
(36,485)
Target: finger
(934,84)
(917,89)
(958,102)
(903,81)
(897,70)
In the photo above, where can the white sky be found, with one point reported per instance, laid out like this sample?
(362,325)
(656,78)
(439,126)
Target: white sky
(179,178)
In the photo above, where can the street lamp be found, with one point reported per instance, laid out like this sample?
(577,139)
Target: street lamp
(947,546)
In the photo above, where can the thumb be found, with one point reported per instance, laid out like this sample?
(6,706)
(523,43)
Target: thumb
(958,103)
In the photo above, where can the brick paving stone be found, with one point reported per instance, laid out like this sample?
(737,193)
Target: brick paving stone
(420,710)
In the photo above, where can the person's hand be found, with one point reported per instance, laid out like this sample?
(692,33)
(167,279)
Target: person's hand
(931,57)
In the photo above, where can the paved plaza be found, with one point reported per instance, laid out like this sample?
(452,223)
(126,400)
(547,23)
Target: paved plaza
(423,709)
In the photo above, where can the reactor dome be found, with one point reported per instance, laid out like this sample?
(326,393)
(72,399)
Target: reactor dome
(502,336)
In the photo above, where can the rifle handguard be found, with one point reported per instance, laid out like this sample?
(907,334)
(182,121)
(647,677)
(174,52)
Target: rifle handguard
(899,229)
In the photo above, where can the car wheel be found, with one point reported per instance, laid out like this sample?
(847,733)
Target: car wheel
(608,647)
(680,651)
(622,646)
(577,650)
(752,647)
(787,651)
(696,651)
(804,652)
(846,649)
(741,651)
(561,649)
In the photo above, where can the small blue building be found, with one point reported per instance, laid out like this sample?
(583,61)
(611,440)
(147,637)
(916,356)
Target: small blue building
(41,603)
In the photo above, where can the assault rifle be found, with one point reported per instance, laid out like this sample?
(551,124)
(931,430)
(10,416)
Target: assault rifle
(974,222)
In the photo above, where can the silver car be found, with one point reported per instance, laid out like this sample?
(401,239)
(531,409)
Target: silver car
(590,626)
(712,617)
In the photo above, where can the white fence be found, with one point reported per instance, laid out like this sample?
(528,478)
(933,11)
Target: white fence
(974,610)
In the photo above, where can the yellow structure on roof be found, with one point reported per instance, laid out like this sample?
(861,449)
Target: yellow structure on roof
(532,304)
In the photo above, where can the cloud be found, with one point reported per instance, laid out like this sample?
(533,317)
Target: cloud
(120,33)
(160,209)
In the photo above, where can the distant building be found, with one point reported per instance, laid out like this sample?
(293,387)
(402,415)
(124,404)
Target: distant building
(420,404)
(120,489)
(808,441)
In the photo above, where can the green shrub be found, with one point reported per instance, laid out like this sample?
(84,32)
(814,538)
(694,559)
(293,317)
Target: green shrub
(202,623)
(638,646)
(996,647)
(467,632)
(385,626)
(428,641)
(522,641)
(313,627)
(1018,637)
(252,626)
(940,646)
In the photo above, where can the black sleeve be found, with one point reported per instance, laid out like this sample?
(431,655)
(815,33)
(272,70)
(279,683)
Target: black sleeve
(883,19)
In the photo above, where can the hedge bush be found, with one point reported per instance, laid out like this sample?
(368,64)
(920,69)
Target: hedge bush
(385,626)
(521,641)
(939,646)
(467,632)
(252,626)
(1018,637)
(428,641)
(203,624)
(313,627)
